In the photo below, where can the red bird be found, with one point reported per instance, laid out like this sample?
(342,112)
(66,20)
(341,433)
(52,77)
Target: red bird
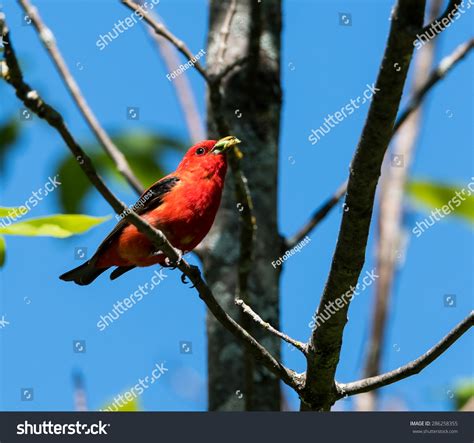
(183,205)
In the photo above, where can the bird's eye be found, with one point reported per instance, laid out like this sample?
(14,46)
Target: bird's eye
(200,151)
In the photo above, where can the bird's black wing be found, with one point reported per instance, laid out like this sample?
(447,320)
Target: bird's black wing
(153,196)
(150,199)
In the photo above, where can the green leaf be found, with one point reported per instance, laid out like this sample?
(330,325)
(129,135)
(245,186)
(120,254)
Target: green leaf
(60,225)
(3,251)
(144,151)
(464,392)
(4,212)
(433,195)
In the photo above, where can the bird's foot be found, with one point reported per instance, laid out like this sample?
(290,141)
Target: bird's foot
(174,264)
(184,277)
(185,281)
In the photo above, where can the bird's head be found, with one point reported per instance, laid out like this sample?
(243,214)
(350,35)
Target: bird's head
(208,156)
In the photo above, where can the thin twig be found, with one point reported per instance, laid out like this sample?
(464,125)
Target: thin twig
(49,42)
(412,368)
(445,66)
(13,75)
(317,216)
(181,85)
(267,326)
(162,30)
(225,31)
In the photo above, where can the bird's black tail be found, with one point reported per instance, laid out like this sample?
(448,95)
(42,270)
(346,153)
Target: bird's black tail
(83,275)
(120,270)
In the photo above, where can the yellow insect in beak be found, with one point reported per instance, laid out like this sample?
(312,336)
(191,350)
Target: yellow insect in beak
(224,144)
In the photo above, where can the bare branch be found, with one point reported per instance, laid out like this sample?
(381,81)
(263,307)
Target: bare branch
(446,64)
(412,368)
(317,216)
(49,42)
(391,197)
(13,75)
(267,326)
(181,85)
(160,29)
(452,6)
(326,340)
(225,31)
(288,376)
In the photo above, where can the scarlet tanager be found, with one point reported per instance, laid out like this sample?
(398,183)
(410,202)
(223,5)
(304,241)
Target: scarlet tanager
(183,205)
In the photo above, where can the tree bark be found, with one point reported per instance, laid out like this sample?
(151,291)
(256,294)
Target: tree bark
(251,104)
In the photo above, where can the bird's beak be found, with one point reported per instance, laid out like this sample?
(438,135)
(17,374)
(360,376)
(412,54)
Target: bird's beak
(224,144)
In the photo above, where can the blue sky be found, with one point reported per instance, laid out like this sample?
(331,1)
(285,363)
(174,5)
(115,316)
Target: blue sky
(324,65)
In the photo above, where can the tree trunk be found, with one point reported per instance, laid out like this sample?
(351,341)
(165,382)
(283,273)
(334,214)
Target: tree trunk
(251,104)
